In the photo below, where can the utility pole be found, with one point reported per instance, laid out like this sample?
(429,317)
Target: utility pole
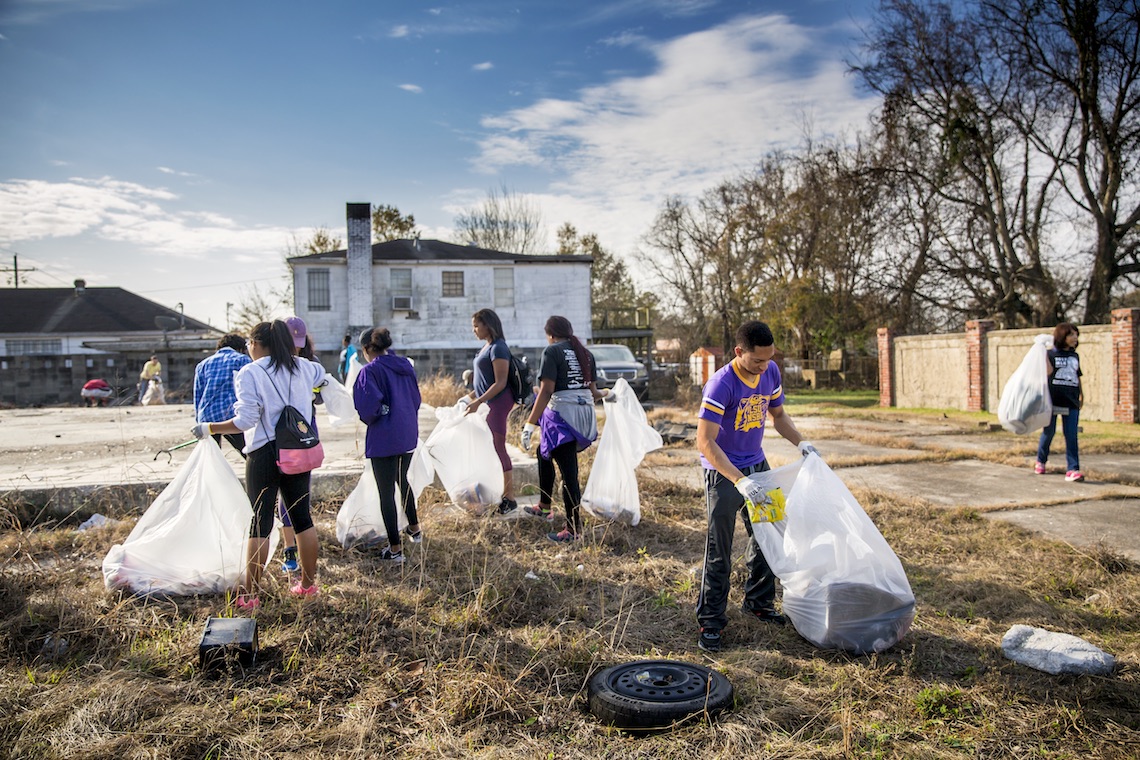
(15,270)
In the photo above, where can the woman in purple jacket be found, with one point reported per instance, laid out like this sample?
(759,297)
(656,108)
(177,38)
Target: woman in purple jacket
(387,398)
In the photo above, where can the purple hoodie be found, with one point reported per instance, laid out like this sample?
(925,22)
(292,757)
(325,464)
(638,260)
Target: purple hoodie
(387,398)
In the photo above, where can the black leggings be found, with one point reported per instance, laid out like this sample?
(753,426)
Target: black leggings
(263,479)
(566,457)
(237,440)
(391,472)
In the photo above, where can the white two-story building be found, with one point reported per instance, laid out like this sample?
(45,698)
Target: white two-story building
(425,291)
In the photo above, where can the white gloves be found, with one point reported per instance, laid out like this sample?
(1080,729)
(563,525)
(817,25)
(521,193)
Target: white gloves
(806,448)
(200,430)
(463,402)
(528,432)
(609,397)
(754,490)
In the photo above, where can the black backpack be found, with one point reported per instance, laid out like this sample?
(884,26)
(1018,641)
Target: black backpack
(520,380)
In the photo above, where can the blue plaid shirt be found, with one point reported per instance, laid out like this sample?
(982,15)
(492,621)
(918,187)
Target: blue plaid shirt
(214,395)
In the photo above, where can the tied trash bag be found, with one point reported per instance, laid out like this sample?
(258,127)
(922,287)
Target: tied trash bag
(461,452)
(1026,404)
(359,521)
(844,588)
(192,539)
(611,492)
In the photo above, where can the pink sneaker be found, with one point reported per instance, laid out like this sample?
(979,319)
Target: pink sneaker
(303,591)
(1074,476)
(1039,468)
(247,602)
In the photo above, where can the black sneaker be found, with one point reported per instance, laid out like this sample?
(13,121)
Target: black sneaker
(767,615)
(507,506)
(709,640)
(415,538)
(391,557)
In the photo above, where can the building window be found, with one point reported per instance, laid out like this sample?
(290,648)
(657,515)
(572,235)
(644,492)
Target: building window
(504,287)
(452,284)
(319,299)
(400,282)
(35,347)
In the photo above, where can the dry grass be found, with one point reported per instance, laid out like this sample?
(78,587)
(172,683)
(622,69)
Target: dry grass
(459,654)
(441,389)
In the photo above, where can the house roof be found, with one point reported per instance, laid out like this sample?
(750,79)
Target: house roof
(434,250)
(82,310)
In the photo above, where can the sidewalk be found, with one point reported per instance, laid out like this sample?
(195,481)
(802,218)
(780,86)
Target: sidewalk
(65,457)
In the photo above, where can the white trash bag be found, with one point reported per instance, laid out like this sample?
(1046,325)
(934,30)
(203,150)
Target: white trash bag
(192,539)
(844,588)
(360,521)
(338,402)
(1025,404)
(611,492)
(461,452)
(155,394)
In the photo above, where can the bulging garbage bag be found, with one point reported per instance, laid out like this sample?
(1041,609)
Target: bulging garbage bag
(192,539)
(1025,404)
(611,492)
(844,587)
(461,452)
(360,520)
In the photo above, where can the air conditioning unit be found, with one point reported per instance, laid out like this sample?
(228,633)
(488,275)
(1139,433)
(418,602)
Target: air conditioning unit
(401,303)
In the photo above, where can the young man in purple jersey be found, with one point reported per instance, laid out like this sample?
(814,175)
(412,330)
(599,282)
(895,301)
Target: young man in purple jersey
(730,432)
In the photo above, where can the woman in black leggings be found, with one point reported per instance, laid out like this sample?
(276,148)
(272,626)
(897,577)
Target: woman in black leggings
(565,408)
(275,378)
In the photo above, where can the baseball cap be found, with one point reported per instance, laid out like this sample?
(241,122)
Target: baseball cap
(298,330)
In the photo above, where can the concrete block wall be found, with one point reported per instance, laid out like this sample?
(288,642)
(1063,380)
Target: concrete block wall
(27,381)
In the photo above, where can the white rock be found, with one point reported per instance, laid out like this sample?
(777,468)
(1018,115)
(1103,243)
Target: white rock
(531,576)
(95,521)
(1055,652)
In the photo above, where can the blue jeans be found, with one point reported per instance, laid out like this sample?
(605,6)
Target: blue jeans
(1069,424)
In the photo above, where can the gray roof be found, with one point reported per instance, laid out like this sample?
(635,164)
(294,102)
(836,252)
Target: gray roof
(57,311)
(436,250)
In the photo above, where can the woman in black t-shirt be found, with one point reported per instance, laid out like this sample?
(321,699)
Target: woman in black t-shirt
(1068,397)
(565,407)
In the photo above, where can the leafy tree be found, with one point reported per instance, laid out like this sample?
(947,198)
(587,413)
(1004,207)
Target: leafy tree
(389,224)
(505,221)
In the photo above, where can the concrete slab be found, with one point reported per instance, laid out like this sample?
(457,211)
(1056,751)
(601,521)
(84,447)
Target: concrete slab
(1113,522)
(972,483)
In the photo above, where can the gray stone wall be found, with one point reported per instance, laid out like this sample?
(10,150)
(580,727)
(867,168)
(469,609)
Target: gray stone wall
(27,381)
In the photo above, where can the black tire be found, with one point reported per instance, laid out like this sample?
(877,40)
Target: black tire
(650,694)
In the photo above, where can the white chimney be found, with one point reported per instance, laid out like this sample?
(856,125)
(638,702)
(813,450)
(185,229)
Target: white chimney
(360,312)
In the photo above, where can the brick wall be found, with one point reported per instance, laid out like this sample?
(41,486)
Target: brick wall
(1126,364)
(886,339)
(976,330)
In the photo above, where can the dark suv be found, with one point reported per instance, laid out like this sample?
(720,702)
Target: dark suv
(616,361)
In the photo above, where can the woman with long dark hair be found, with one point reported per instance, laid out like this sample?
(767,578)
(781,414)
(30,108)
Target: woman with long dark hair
(276,378)
(491,367)
(565,408)
(387,398)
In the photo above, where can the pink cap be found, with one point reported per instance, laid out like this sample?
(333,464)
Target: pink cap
(298,330)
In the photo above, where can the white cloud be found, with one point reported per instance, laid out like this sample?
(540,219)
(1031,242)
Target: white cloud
(175,172)
(435,11)
(399,31)
(484,66)
(714,104)
(125,212)
(411,88)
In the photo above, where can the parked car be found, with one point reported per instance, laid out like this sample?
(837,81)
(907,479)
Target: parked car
(615,361)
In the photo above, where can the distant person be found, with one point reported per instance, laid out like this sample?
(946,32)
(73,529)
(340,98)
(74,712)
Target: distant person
(1068,397)
(489,372)
(150,370)
(214,395)
(96,392)
(347,351)
(733,415)
(387,398)
(563,416)
(275,378)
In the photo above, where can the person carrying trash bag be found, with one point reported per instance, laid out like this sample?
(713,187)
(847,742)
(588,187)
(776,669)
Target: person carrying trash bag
(1067,394)
(565,406)
(387,397)
(274,380)
(730,434)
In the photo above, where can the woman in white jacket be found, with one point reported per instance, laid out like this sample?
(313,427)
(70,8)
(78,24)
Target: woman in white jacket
(275,378)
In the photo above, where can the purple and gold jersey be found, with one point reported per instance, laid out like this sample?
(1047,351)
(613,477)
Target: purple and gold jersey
(741,410)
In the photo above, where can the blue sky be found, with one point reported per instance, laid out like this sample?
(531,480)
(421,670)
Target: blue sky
(175,147)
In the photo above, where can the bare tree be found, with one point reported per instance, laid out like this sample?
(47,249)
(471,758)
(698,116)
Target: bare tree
(1078,66)
(257,305)
(505,221)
